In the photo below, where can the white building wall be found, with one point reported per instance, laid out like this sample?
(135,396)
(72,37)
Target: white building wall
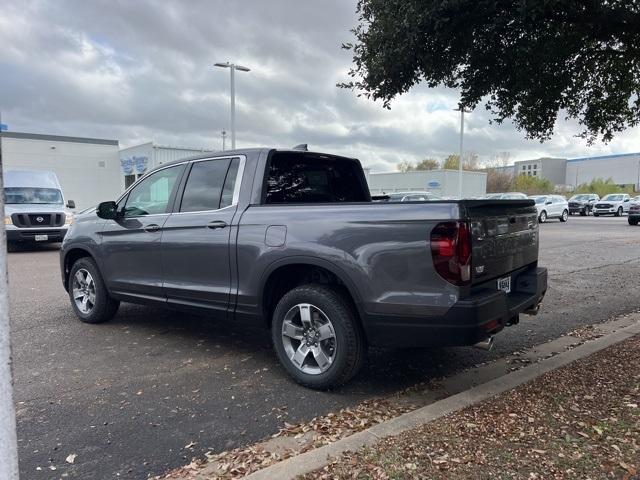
(88,172)
(623,169)
(439,182)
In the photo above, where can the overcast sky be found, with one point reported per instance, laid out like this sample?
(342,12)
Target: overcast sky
(142,70)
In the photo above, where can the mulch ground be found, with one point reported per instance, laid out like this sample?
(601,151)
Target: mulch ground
(581,421)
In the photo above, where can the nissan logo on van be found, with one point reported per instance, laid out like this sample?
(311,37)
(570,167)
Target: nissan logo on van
(39,219)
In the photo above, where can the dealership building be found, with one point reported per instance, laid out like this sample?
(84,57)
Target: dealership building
(88,168)
(443,183)
(622,168)
(137,160)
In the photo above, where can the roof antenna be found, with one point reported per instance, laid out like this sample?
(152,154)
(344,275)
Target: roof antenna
(303,147)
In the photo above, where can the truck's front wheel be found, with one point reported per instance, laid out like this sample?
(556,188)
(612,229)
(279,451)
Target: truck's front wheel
(317,336)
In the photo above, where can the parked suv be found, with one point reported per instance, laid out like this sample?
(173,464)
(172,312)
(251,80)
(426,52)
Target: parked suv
(551,206)
(613,204)
(582,203)
(291,240)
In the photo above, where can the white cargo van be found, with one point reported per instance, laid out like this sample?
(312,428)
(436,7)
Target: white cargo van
(35,209)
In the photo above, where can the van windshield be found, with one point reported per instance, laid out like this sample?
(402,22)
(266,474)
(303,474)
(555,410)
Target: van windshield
(17,195)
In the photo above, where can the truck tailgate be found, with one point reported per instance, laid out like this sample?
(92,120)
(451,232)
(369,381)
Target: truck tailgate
(504,236)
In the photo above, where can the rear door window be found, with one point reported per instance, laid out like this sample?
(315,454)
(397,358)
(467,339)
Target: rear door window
(203,189)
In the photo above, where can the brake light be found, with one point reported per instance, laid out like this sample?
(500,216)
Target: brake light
(451,252)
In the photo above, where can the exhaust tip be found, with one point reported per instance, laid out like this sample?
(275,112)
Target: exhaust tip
(486,344)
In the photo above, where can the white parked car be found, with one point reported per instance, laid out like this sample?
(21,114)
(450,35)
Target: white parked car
(507,196)
(412,197)
(612,204)
(551,206)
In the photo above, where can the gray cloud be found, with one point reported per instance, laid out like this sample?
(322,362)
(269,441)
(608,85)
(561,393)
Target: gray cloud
(142,70)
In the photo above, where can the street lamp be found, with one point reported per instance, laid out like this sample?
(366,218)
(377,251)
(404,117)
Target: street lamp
(233,67)
(462,111)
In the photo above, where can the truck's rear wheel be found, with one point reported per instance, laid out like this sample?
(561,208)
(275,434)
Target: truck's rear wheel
(89,296)
(317,337)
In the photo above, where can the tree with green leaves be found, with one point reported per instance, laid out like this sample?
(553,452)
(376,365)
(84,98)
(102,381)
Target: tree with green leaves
(405,166)
(469,162)
(428,164)
(528,61)
(603,187)
(532,185)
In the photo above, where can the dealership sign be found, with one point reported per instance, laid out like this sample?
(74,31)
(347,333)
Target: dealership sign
(133,164)
(434,184)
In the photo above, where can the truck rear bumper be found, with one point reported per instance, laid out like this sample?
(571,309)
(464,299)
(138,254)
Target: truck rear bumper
(468,321)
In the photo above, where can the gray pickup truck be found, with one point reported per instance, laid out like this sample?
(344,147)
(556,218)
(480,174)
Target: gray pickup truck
(292,240)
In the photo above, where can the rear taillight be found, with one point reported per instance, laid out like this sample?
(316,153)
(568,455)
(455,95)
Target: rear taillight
(451,252)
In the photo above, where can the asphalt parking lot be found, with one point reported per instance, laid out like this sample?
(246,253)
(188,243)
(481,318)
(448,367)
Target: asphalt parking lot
(129,395)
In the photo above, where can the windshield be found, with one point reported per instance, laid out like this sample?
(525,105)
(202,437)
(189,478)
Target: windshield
(613,198)
(540,199)
(17,195)
(581,197)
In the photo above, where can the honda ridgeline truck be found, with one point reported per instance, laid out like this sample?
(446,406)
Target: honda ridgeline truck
(292,240)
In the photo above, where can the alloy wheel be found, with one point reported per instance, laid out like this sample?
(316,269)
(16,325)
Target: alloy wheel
(84,291)
(309,339)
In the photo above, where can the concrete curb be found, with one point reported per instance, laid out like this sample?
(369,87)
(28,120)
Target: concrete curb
(318,458)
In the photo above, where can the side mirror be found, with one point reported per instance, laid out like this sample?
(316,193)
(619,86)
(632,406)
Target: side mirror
(107,210)
(627,200)
(71,204)
(549,203)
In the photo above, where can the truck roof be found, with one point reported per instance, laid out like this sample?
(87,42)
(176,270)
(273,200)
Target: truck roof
(245,151)
(30,178)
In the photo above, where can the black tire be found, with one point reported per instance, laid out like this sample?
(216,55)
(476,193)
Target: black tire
(350,345)
(596,214)
(543,217)
(632,221)
(618,212)
(565,216)
(104,307)
(584,213)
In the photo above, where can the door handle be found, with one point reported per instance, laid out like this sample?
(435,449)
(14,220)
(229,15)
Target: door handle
(151,227)
(216,224)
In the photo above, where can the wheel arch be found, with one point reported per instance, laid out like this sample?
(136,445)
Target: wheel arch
(282,276)
(70,257)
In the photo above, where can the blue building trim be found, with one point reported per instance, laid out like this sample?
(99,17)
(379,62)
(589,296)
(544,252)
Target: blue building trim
(602,157)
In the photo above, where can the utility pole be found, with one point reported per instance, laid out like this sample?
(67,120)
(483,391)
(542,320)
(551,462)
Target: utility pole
(462,111)
(233,67)
(8,438)
(224,138)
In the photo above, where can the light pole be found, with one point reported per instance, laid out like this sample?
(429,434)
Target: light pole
(233,67)
(8,439)
(462,111)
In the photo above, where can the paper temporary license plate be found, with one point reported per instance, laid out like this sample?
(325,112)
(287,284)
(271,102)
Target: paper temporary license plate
(504,284)
(42,238)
